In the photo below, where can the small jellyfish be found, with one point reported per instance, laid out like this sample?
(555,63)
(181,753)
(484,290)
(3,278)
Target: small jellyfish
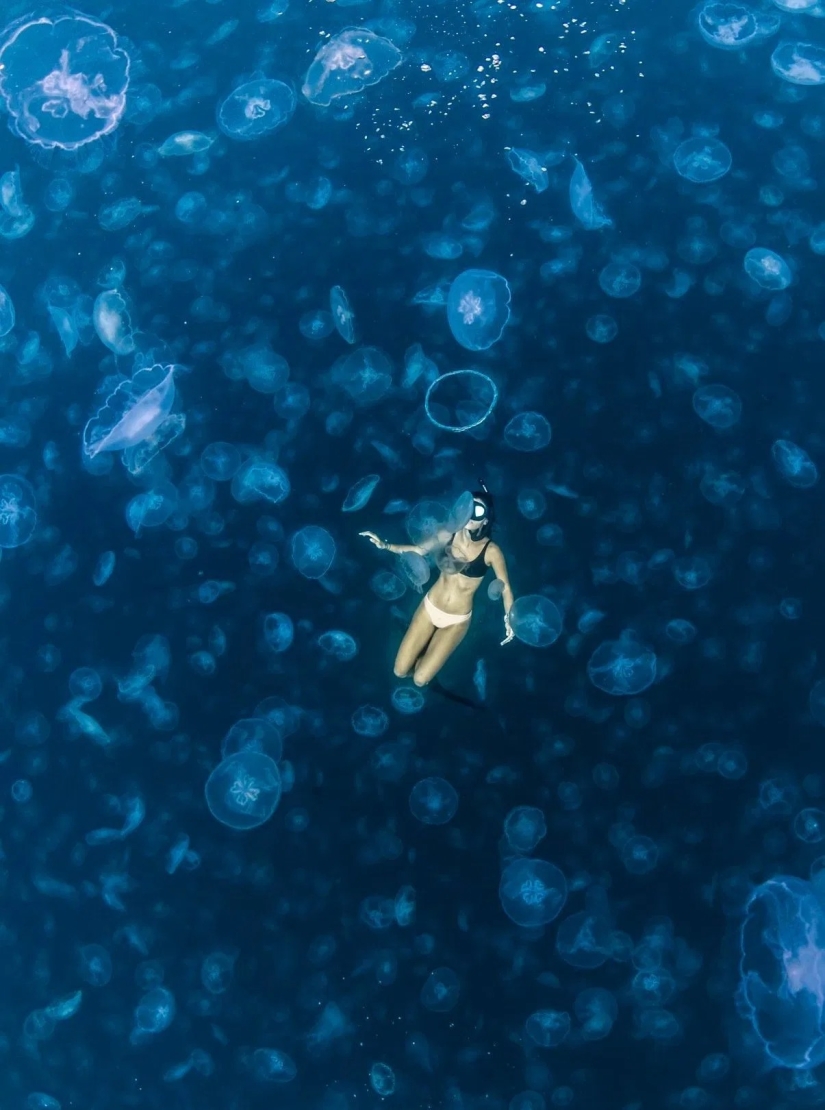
(342,315)
(18,511)
(133,412)
(532,892)
(794,464)
(800,63)
(382,1079)
(433,801)
(441,990)
(369,720)
(640,854)
(528,165)
(270,1065)
(702,160)
(528,431)
(220,461)
(768,269)
(717,405)
(6,312)
(112,322)
(183,143)
(478,308)
(359,494)
(95,965)
(279,632)
(260,480)
(585,208)
(524,827)
(547,1028)
(622,667)
(243,791)
(255,109)
(348,63)
(313,551)
(536,620)
(601,328)
(620,279)
(155,1011)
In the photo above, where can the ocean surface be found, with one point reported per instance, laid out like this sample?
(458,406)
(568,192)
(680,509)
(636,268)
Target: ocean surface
(276,274)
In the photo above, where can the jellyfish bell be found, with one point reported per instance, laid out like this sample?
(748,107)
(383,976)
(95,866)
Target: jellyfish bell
(63,79)
(132,412)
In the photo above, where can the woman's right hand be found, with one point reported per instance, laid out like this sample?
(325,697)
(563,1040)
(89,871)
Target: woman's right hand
(376,540)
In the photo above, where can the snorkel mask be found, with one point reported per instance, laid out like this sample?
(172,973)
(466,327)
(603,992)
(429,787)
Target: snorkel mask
(482,508)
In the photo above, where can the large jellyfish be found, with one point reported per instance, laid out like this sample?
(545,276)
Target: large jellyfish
(133,412)
(348,63)
(783,971)
(478,308)
(63,78)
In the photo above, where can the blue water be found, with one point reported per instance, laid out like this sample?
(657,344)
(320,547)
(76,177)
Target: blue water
(277,274)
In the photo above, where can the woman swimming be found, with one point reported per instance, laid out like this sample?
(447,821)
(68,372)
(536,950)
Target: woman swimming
(441,620)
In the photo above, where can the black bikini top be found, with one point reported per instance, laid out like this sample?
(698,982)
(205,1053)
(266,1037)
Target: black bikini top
(477,568)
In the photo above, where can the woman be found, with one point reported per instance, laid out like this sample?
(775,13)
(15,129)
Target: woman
(443,617)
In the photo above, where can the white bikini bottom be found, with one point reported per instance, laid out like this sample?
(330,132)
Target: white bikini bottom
(441,619)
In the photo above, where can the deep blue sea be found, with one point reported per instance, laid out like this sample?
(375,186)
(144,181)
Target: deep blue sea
(277,274)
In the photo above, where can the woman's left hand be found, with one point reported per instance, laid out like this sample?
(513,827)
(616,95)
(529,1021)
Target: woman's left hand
(508,628)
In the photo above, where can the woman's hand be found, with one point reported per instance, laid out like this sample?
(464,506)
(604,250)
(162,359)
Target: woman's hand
(376,540)
(508,628)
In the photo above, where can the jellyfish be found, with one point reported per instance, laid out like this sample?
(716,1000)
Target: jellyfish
(532,892)
(342,315)
(133,412)
(478,308)
(800,63)
(702,160)
(768,269)
(185,142)
(112,322)
(460,400)
(433,801)
(622,667)
(782,970)
(528,165)
(587,211)
(244,789)
(536,620)
(254,109)
(18,512)
(620,279)
(349,63)
(64,79)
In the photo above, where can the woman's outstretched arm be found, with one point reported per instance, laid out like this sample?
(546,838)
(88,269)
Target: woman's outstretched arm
(395,548)
(499,565)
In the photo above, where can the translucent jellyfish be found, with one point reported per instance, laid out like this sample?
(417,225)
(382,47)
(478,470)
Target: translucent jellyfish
(794,464)
(348,63)
(585,208)
(536,620)
(532,892)
(702,159)
(6,312)
(441,990)
(183,143)
(622,667)
(478,308)
(155,1011)
(279,632)
(95,965)
(63,78)
(220,461)
(342,314)
(313,550)
(339,645)
(359,494)
(528,165)
(728,26)
(244,789)
(640,854)
(524,827)
(433,801)
(369,720)
(260,480)
(382,1079)
(365,375)
(584,938)
(547,1028)
(601,328)
(460,400)
(782,970)
(255,109)
(800,63)
(620,279)
(270,1065)
(112,322)
(596,1009)
(133,412)
(18,511)
(527,431)
(768,269)
(717,405)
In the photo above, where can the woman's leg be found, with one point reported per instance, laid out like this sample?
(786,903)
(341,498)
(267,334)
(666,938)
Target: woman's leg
(416,638)
(441,647)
